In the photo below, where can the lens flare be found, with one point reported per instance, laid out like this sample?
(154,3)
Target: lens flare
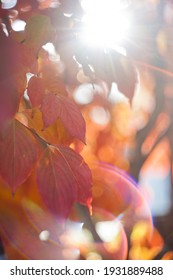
(118,210)
(106,23)
(119,213)
(117,193)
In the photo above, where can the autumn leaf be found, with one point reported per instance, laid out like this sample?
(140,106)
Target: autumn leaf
(9,101)
(18,154)
(20,229)
(54,134)
(47,3)
(39,217)
(35,91)
(38,31)
(3,12)
(9,56)
(109,66)
(24,221)
(126,77)
(58,106)
(63,178)
(10,60)
(71,7)
(29,59)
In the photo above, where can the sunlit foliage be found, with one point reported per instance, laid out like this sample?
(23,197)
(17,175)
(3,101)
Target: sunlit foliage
(86,129)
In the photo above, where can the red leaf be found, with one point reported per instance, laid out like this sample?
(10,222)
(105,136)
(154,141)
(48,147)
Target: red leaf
(9,101)
(18,154)
(81,172)
(57,106)
(63,178)
(29,59)
(35,91)
(10,57)
(9,68)
(38,31)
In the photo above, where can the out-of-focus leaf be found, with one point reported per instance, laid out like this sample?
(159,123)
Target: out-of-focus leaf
(42,220)
(29,231)
(3,12)
(23,242)
(110,66)
(71,6)
(9,56)
(143,246)
(18,154)
(51,74)
(126,77)
(35,91)
(63,178)
(9,101)
(48,3)
(58,106)
(20,83)
(38,31)
(10,71)
(168,256)
(29,59)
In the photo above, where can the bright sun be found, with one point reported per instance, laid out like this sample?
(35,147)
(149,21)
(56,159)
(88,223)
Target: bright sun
(106,22)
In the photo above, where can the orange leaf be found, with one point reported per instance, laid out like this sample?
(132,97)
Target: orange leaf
(22,223)
(54,134)
(18,154)
(63,178)
(58,106)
